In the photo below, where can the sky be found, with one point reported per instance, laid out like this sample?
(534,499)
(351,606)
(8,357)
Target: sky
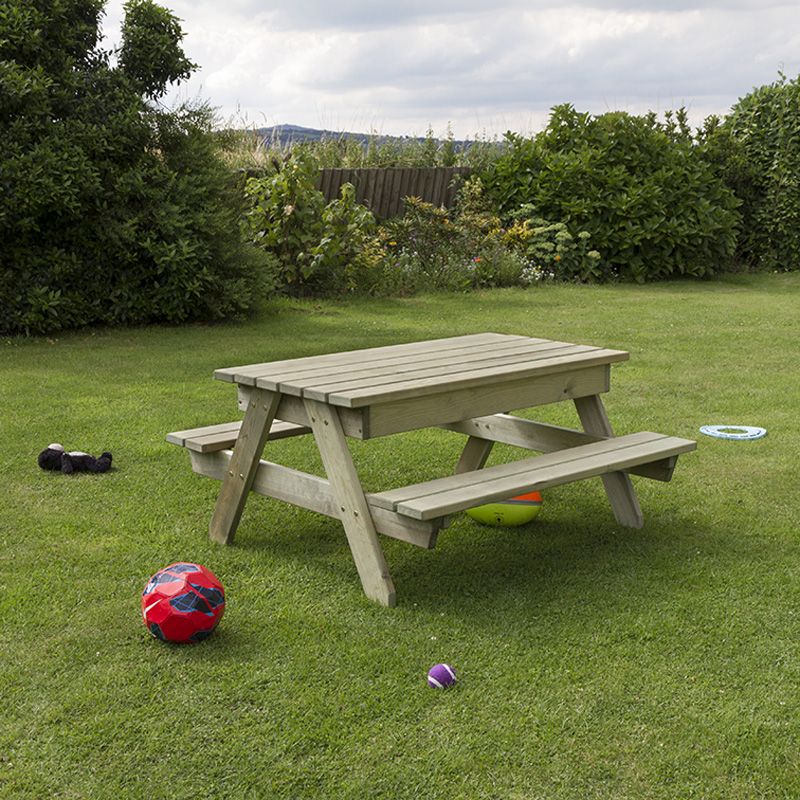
(480,66)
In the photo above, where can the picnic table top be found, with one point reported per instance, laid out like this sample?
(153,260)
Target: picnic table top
(359,378)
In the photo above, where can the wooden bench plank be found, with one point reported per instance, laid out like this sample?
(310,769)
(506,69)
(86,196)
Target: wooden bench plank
(538,478)
(247,373)
(222,437)
(545,438)
(356,398)
(394,497)
(454,493)
(224,429)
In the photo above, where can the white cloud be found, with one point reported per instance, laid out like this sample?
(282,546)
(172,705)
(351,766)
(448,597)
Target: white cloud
(399,67)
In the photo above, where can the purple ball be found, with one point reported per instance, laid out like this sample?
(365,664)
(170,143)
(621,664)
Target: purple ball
(441,676)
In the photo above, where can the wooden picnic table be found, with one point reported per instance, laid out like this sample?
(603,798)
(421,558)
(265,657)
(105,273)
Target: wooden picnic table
(465,384)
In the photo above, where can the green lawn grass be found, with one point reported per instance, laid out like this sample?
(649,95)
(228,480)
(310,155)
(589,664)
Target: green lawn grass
(594,661)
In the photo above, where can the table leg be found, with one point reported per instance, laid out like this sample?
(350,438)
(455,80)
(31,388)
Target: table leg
(355,513)
(474,454)
(243,465)
(619,489)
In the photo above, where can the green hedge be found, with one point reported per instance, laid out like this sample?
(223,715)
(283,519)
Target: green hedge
(757,148)
(654,208)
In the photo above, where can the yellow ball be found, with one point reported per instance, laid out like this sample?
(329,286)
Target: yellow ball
(512,512)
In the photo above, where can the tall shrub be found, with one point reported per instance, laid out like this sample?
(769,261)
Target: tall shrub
(112,208)
(758,150)
(652,206)
(314,248)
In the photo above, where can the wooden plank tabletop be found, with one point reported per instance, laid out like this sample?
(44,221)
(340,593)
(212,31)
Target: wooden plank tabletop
(360,378)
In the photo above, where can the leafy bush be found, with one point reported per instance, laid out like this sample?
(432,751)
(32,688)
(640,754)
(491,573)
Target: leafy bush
(497,266)
(432,248)
(757,151)
(323,249)
(551,250)
(494,263)
(653,207)
(284,217)
(476,216)
(113,210)
(426,235)
(316,248)
(343,258)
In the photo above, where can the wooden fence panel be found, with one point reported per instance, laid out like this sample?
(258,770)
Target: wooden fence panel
(383,190)
(377,195)
(392,204)
(407,178)
(325,182)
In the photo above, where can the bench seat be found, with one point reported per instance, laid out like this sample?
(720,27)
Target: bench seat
(438,498)
(213,438)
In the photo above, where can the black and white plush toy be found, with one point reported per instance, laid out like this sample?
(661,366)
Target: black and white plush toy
(56,458)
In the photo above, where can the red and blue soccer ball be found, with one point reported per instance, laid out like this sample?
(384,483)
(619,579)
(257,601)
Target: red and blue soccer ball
(183,603)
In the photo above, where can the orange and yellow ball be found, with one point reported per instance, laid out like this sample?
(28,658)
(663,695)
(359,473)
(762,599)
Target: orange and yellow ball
(515,511)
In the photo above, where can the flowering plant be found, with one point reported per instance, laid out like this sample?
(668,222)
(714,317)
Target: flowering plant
(550,249)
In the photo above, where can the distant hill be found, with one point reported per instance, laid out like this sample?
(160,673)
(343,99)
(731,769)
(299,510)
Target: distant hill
(294,134)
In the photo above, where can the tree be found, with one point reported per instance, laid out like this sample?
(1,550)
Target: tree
(113,208)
